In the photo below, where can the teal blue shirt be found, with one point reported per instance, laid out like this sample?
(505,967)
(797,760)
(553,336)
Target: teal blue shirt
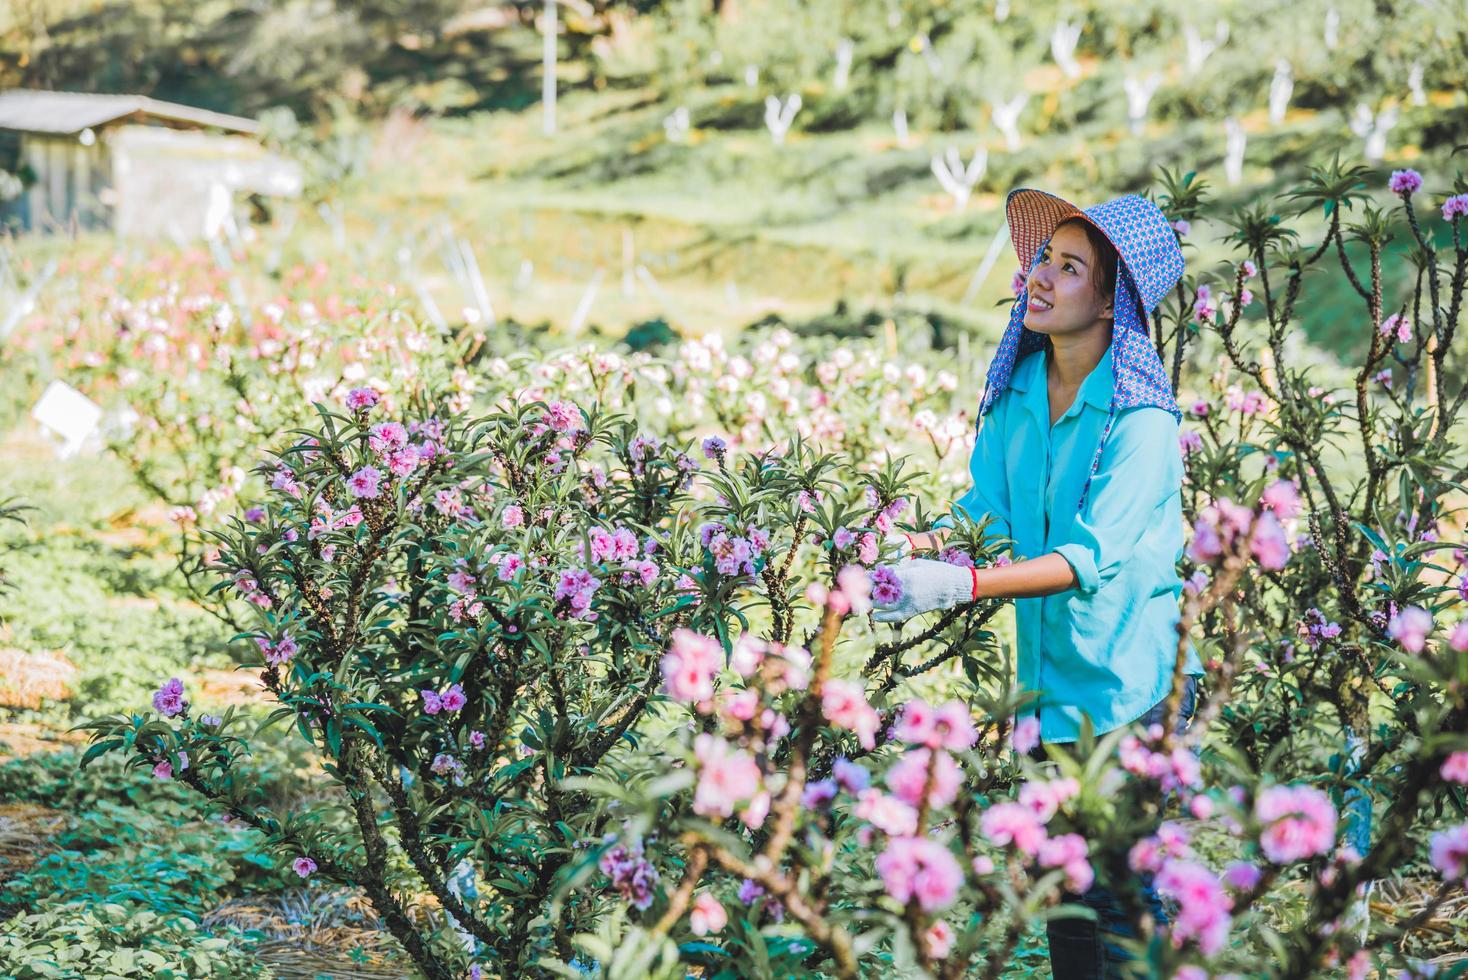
(1107,647)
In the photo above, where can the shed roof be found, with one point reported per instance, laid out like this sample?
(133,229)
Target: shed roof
(33,111)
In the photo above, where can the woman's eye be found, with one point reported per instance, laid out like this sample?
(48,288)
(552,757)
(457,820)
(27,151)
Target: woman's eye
(1069,266)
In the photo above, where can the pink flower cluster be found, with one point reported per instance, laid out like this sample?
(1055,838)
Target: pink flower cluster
(362,399)
(707,915)
(1455,207)
(853,592)
(1448,852)
(844,704)
(249,589)
(1411,627)
(1455,768)
(1177,770)
(886,586)
(450,700)
(1222,522)
(169,699)
(734,554)
(1397,325)
(689,666)
(574,590)
(1405,182)
(1299,823)
(1315,629)
(164,768)
(277,652)
(1204,906)
(633,876)
(304,866)
(727,777)
(916,869)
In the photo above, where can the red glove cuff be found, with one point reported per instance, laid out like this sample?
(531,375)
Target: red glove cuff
(974,596)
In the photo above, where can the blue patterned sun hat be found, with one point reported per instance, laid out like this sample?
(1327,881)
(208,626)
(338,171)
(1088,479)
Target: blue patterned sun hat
(1151,262)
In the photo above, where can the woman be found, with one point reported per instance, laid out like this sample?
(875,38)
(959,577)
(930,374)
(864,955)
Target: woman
(1077,462)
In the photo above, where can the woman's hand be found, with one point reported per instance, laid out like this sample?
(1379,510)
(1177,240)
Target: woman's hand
(926,585)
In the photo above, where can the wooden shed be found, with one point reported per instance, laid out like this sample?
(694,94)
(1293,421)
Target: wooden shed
(135,164)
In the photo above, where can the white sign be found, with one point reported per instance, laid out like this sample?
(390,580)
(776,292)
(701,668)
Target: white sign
(69,414)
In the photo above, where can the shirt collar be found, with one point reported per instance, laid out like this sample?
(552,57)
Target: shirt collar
(1095,391)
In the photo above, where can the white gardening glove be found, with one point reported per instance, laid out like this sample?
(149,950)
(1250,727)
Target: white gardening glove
(899,542)
(926,585)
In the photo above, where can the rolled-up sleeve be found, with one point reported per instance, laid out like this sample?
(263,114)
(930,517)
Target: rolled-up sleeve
(1140,468)
(989,493)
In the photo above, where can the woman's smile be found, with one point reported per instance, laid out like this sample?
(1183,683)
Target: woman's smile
(1038,305)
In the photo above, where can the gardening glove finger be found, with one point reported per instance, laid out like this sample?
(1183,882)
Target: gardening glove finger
(924,585)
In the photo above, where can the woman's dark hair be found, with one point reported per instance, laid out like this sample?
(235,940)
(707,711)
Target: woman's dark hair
(1103,271)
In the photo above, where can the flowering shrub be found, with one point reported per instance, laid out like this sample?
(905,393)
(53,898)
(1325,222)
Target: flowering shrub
(598,697)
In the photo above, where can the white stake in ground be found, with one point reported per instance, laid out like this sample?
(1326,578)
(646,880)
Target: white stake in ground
(779,115)
(957,179)
(549,27)
(676,125)
(1006,118)
(1233,157)
(1063,41)
(583,308)
(982,272)
(899,125)
(1199,47)
(1139,92)
(1281,87)
(1373,129)
(1414,83)
(845,51)
(1332,28)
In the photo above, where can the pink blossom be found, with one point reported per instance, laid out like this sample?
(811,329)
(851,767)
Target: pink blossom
(867,548)
(361,399)
(164,769)
(1250,269)
(1459,639)
(806,500)
(1242,876)
(1026,735)
(1189,441)
(1358,967)
(1455,768)
(1203,905)
(887,813)
(476,740)
(1017,282)
(304,866)
(364,483)
(1448,852)
(384,437)
(886,587)
(909,776)
(1411,627)
(512,516)
(726,777)
(564,417)
(849,776)
(1282,497)
(1013,823)
(689,666)
(1300,823)
(401,462)
(453,699)
(1182,226)
(854,582)
(845,705)
(754,815)
(1044,798)
(1068,852)
(708,916)
(1398,325)
(278,652)
(714,447)
(1455,207)
(1405,182)
(1270,547)
(938,940)
(921,870)
(432,703)
(508,566)
(169,699)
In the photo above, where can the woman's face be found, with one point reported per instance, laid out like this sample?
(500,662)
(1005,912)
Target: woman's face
(1061,297)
